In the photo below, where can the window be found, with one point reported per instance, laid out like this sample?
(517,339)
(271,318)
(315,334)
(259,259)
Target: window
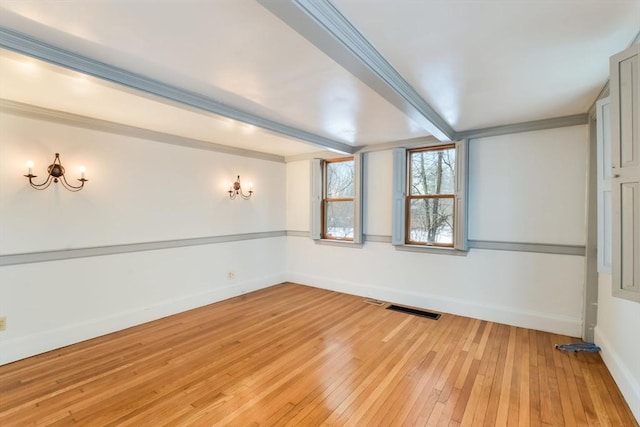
(429,206)
(336,199)
(430,196)
(338,191)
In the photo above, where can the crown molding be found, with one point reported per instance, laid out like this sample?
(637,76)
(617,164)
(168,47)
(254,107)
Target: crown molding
(404,143)
(70,119)
(635,40)
(604,92)
(552,123)
(325,155)
(29,46)
(323,25)
(544,124)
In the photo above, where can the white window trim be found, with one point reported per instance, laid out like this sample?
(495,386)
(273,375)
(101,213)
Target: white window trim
(317,167)
(398,235)
(603,125)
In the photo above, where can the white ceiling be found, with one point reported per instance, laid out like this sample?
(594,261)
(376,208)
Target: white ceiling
(476,63)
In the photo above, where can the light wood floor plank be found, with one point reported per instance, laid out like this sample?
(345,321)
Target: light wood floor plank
(301,356)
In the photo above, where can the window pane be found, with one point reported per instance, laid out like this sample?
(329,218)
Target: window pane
(340,179)
(431,221)
(432,172)
(339,220)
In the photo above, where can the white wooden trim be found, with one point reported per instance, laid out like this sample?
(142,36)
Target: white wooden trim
(625,159)
(69,119)
(62,254)
(603,168)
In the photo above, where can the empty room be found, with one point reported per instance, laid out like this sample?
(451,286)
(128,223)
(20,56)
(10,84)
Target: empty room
(320,213)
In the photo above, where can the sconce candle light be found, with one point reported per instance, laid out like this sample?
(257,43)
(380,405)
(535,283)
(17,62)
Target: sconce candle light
(55,174)
(235,190)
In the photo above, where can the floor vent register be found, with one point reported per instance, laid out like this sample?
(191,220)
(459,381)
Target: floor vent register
(414,311)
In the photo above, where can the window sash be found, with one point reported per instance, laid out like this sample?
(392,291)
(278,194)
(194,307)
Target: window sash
(409,155)
(325,226)
(408,220)
(327,200)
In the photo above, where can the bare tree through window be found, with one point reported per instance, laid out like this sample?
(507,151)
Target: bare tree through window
(339,192)
(430,196)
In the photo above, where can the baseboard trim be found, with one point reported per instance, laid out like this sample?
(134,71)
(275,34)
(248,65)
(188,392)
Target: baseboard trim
(548,322)
(621,374)
(26,346)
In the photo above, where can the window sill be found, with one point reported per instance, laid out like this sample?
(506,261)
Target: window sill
(341,243)
(431,250)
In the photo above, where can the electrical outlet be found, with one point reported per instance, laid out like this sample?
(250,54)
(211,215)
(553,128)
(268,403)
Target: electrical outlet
(231,275)
(3,323)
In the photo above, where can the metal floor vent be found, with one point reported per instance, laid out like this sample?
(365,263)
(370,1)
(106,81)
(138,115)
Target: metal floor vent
(374,302)
(414,311)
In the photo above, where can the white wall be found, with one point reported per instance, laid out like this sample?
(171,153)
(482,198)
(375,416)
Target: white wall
(529,187)
(297,196)
(145,191)
(138,191)
(540,198)
(617,335)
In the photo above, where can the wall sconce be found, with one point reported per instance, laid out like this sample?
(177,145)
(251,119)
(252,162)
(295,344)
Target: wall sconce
(235,190)
(56,174)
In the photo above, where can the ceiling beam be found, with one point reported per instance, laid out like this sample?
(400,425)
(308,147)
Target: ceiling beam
(323,25)
(26,45)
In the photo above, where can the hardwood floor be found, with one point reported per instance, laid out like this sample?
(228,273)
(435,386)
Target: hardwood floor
(300,356)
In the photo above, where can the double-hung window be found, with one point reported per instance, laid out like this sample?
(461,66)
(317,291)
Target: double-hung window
(431,196)
(336,199)
(338,191)
(429,209)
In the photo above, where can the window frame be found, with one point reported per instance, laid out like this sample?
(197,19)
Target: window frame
(409,197)
(326,200)
(317,206)
(400,218)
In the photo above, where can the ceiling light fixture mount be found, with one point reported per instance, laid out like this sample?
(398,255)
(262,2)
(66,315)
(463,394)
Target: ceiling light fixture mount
(235,190)
(55,173)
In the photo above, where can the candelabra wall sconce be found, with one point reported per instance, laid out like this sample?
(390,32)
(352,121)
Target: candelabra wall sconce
(235,190)
(55,173)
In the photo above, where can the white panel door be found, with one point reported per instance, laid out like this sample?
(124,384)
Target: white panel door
(625,176)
